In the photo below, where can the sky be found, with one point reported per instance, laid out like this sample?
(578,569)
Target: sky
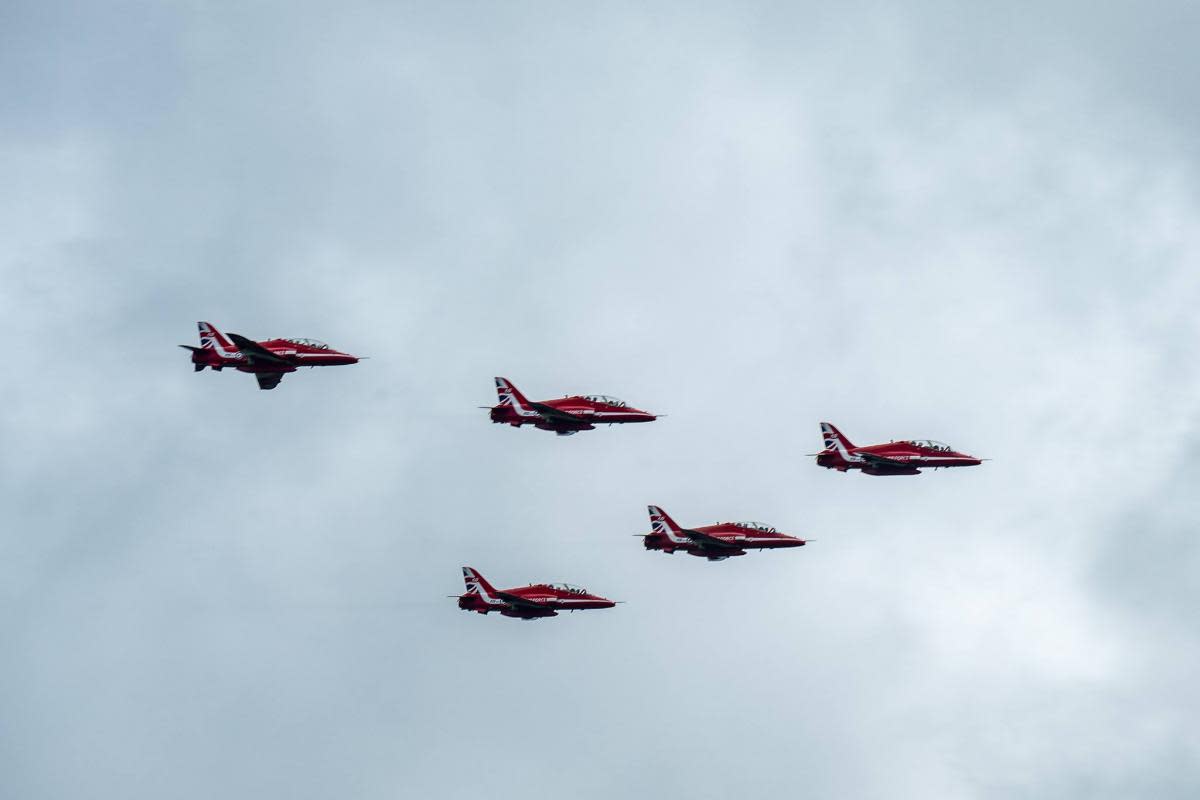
(956,221)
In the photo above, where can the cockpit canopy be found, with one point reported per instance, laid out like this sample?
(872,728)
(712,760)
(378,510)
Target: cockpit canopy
(758,526)
(309,343)
(930,444)
(566,587)
(605,399)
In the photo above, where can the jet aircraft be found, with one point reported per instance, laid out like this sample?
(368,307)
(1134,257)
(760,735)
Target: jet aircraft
(269,361)
(714,542)
(565,416)
(527,602)
(893,458)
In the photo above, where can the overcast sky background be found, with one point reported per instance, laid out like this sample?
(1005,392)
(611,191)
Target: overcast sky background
(976,224)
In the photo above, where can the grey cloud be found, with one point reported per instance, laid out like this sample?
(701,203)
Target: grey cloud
(942,221)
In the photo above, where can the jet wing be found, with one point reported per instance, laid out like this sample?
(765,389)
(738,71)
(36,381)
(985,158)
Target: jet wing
(521,602)
(253,351)
(705,540)
(268,380)
(552,414)
(883,461)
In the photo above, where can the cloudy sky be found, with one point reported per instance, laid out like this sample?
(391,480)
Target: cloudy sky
(967,223)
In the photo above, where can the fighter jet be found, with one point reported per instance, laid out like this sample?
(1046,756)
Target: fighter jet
(269,360)
(893,458)
(566,415)
(714,542)
(534,601)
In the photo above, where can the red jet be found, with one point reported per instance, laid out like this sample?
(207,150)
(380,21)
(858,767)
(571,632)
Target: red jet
(534,601)
(565,416)
(269,360)
(893,458)
(714,542)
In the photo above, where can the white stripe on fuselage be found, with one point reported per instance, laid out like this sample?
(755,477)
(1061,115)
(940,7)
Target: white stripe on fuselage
(210,339)
(739,541)
(843,452)
(475,585)
(661,525)
(511,395)
(233,355)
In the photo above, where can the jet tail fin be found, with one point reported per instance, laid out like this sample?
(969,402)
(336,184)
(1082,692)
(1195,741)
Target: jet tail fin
(661,522)
(213,339)
(510,395)
(833,438)
(199,357)
(476,583)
